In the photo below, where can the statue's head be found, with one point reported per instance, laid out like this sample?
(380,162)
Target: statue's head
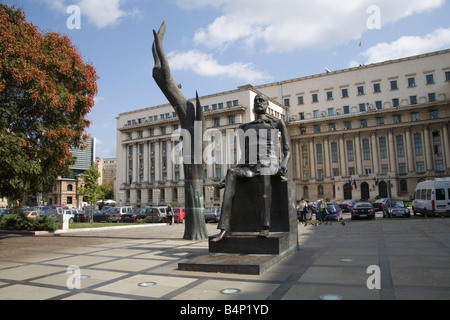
(261,103)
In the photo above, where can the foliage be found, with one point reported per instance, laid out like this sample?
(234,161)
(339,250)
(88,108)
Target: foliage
(46,92)
(20,222)
(91,191)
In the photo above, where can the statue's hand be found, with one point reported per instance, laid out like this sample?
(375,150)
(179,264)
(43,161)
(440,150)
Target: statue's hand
(282,171)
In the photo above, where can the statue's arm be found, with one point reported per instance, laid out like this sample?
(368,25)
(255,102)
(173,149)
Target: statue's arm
(163,77)
(285,146)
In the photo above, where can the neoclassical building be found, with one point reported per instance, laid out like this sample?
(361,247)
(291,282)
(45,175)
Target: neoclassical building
(356,133)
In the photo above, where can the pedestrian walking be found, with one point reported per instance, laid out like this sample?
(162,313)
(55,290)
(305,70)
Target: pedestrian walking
(322,210)
(169,215)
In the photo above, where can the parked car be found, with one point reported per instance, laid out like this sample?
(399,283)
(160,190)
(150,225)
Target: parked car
(396,208)
(212,214)
(71,213)
(100,216)
(82,216)
(133,215)
(31,214)
(120,210)
(155,214)
(379,204)
(313,206)
(362,209)
(178,214)
(4,211)
(346,205)
(334,212)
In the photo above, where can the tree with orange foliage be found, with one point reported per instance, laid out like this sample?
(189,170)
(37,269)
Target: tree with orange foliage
(46,92)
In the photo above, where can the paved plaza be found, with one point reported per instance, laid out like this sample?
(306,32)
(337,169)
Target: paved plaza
(407,259)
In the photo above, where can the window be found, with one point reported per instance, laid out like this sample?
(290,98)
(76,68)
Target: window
(347,125)
(301,116)
(378,105)
(437,148)
(300,100)
(350,154)
(430,78)
(383,149)
(402,168)
(439,165)
(332,127)
(344,93)
(330,112)
(411,82)
(363,123)
(231,120)
(420,167)
(418,144)
(366,149)
(376,87)
(380,121)
(229,104)
(447,76)
(384,169)
(360,90)
(400,146)
(69,187)
(346,109)
(319,154)
(432,97)
(334,152)
(395,103)
(315,114)
(216,122)
(315,98)
(316,129)
(362,107)
(329,95)
(434,114)
(163,130)
(287,102)
(415,117)
(397,119)
(394,85)
(413,99)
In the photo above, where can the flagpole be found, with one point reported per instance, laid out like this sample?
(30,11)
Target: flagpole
(362,57)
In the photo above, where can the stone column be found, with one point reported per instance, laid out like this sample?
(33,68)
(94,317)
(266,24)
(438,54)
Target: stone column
(409,151)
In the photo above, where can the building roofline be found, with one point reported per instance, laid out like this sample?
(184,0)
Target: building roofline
(361,67)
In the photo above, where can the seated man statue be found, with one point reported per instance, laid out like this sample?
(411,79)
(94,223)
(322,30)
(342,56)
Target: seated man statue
(264,163)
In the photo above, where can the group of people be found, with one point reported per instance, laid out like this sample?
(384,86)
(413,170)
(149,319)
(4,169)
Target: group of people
(322,211)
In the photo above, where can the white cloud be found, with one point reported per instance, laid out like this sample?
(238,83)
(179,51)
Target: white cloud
(101,13)
(288,25)
(408,46)
(205,65)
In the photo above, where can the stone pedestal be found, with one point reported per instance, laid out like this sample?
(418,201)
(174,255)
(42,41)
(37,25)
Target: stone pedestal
(242,251)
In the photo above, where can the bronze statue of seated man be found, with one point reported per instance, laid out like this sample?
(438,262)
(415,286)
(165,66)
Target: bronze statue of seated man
(264,163)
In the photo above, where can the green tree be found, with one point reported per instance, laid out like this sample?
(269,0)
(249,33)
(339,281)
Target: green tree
(46,92)
(91,190)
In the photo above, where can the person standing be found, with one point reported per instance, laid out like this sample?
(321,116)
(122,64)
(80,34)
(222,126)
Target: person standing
(322,211)
(303,207)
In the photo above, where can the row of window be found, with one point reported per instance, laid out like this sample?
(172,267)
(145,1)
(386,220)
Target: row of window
(360,89)
(363,123)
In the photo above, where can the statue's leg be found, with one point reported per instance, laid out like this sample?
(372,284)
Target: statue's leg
(230,185)
(267,203)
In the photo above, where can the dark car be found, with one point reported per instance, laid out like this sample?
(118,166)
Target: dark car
(133,215)
(379,204)
(334,212)
(100,216)
(82,216)
(313,206)
(362,210)
(346,205)
(396,208)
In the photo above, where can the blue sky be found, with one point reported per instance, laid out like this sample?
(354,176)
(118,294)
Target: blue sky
(217,45)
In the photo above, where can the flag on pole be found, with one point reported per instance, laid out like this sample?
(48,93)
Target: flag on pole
(360,44)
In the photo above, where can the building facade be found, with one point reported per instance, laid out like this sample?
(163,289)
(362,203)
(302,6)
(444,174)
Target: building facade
(356,133)
(64,191)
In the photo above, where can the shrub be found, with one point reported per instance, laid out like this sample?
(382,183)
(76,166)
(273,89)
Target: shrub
(20,222)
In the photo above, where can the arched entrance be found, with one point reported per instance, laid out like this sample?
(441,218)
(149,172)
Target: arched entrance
(365,191)
(382,189)
(347,192)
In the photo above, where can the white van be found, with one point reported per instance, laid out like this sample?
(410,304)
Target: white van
(120,210)
(432,198)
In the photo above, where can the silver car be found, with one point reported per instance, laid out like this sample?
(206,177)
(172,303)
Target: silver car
(212,214)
